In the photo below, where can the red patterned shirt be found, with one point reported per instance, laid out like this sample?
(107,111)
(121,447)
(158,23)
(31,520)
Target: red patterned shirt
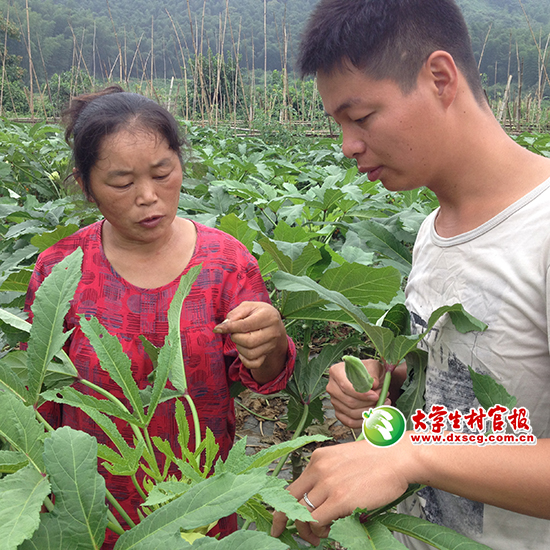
(229,276)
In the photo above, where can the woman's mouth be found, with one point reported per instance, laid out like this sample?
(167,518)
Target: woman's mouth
(151,221)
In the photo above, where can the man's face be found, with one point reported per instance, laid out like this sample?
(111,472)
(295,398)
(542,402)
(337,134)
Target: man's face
(393,136)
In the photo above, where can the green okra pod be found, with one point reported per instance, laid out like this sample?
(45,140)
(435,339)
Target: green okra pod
(357,374)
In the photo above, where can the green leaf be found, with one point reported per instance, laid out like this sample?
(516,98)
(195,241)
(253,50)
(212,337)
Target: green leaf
(214,498)
(45,240)
(170,359)
(80,515)
(381,239)
(437,536)
(239,229)
(10,380)
(275,495)
(12,461)
(353,535)
(17,282)
(19,427)
(243,540)
(50,306)
(412,397)
(296,409)
(113,360)
(292,258)
(21,498)
(489,392)
(72,397)
(398,320)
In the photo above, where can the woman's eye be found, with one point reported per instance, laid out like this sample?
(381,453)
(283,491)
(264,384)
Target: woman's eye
(361,120)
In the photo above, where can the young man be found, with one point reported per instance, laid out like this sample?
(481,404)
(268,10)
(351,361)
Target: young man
(400,78)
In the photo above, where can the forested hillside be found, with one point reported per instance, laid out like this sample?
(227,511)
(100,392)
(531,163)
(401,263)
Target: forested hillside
(155,33)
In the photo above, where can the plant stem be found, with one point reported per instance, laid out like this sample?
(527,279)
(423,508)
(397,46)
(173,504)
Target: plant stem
(385,389)
(48,504)
(115,528)
(138,488)
(116,505)
(196,421)
(296,434)
(246,525)
(104,393)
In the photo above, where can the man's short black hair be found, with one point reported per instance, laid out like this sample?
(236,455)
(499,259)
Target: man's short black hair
(387,39)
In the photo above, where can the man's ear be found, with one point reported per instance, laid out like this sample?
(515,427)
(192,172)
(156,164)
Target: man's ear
(78,178)
(444,75)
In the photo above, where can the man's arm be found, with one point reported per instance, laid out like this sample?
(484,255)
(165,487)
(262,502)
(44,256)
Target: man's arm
(341,478)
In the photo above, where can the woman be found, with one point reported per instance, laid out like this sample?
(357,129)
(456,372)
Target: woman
(127,157)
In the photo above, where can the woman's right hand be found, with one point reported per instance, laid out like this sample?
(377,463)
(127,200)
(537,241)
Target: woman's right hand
(349,404)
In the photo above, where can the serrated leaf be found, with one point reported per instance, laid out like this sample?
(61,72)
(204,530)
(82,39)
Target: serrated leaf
(268,455)
(412,397)
(10,380)
(214,498)
(19,427)
(21,498)
(489,392)
(79,517)
(353,535)
(50,306)
(296,410)
(113,360)
(170,361)
(437,536)
(73,398)
(243,540)
(275,495)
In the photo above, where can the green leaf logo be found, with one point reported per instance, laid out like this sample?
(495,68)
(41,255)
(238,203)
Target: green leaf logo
(383,426)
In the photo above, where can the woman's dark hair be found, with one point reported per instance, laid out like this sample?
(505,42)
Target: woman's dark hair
(90,118)
(387,39)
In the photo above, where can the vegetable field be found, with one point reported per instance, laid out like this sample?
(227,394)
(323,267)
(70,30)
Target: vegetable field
(335,250)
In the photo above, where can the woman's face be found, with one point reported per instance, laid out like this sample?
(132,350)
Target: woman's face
(136,185)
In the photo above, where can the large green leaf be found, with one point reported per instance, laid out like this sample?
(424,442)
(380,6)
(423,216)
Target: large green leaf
(113,359)
(241,540)
(437,536)
(21,498)
(79,518)
(19,427)
(50,306)
(292,258)
(239,229)
(214,498)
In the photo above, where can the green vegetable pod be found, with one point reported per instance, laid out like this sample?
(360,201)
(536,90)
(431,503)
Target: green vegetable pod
(357,374)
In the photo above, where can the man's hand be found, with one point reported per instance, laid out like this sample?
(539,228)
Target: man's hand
(341,478)
(349,404)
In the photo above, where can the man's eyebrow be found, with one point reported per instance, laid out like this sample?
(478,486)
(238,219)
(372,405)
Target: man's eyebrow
(345,105)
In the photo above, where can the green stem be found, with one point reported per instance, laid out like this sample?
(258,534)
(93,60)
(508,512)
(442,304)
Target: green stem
(104,393)
(116,505)
(246,525)
(296,434)
(41,419)
(48,504)
(138,488)
(196,421)
(307,341)
(115,528)
(112,519)
(383,395)
(385,389)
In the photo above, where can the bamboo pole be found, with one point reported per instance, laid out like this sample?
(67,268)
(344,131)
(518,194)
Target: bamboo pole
(122,69)
(184,66)
(4,54)
(265,57)
(31,68)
